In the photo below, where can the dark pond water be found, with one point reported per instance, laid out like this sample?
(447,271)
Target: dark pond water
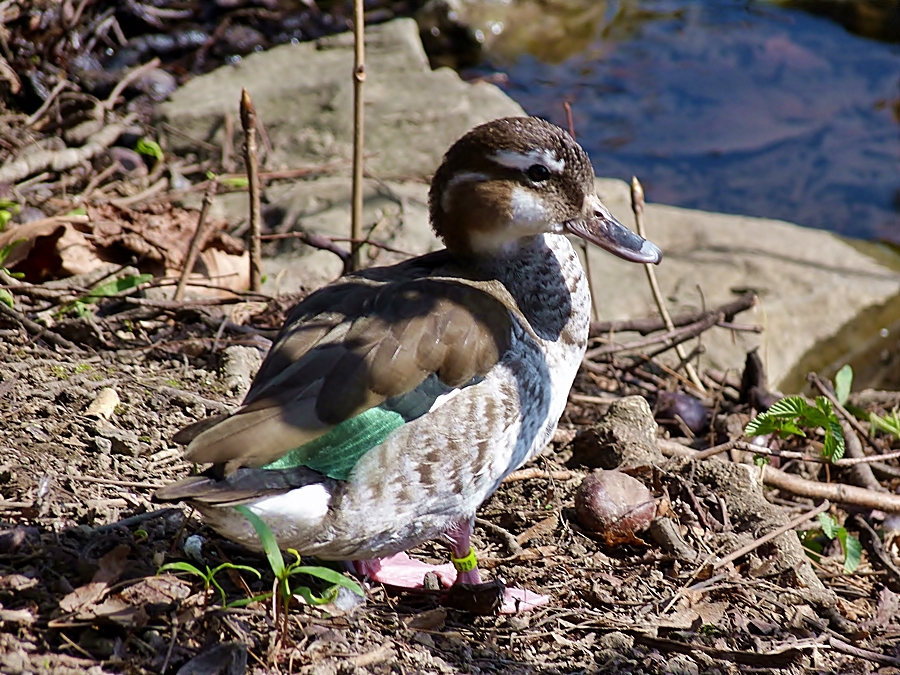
(741,107)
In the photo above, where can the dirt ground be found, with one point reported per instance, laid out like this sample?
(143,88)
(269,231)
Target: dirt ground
(81,543)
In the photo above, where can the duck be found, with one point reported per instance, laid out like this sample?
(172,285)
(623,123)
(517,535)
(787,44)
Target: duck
(396,399)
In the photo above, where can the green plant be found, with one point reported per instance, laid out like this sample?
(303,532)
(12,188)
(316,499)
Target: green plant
(8,209)
(149,147)
(849,544)
(788,415)
(106,290)
(209,577)
(282,591)
(5,296)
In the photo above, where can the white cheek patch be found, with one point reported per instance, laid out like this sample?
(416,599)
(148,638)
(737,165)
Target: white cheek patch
(464,177)
(527,208)
(521,161)
(309,503)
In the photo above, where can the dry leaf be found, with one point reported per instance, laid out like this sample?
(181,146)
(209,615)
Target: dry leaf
(110,568)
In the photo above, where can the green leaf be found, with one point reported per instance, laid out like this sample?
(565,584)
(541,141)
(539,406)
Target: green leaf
(182,567)
(243,602)
(6,250)
(117,286)
(843,380)
(10,205)
(5,217)
(149,147)
(761,460)
(852,552)
(6,298)
(329,575)
(829,525)
(313,599)
(235,181)
(889,424)
(273,553)
(788,408)
(79,211)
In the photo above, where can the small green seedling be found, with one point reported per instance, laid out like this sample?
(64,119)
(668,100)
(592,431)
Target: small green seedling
(151,148)
(850,545)
(209,577)
(5,296)
(8,209)
(106,290)
(282,591)
(230,181)
(843,380)
(788,415)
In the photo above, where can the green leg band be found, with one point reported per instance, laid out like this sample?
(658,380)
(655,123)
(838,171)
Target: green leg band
(467,563)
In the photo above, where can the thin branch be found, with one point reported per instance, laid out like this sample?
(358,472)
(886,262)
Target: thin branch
(37,330)
(637,205)
(130,77)
(197,242)
(675,336)
(251,158)
(652,324)
(765,539)
(359,78)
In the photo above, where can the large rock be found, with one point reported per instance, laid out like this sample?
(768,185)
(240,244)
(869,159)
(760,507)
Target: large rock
(304,96)
(821,301)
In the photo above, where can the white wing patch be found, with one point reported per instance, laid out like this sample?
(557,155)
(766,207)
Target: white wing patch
(521,161)
(443,398)
(308,504)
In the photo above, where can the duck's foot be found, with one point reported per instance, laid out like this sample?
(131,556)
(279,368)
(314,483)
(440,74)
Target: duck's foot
(402,571)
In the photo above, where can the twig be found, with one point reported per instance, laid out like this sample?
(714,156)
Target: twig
(62,160)
(667,340)
(37,114)
(130,77)
(112,481)
(834,492)
(359,78)
(532,472)
(846,648)
(158,186)
(513,547)
(38,330)
(637,205)
(872,542)
(765,539)
(319,241)
(138,519)
(251,158)
(197,242)
(652,324)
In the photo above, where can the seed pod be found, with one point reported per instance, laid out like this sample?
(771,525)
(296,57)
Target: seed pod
(615,506)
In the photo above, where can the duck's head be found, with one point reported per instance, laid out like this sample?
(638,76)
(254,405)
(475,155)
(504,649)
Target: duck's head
(509,180)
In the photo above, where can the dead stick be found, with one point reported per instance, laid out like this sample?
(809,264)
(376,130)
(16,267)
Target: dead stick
(197,242)
(37,329)
(673,337)
(532,472)
(359,78)
(130,77)
(765,539)
(834,492)
(251,158)
(652,324)
(637,205)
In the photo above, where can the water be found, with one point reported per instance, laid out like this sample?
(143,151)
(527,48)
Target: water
(737,107)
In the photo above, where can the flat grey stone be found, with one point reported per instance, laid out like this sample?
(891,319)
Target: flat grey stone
(304,97)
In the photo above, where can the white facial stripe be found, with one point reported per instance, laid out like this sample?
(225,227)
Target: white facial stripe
(518,160)
(464,177)
(527,208)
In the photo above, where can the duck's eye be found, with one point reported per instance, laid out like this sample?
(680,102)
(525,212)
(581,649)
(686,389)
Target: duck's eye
(538,173)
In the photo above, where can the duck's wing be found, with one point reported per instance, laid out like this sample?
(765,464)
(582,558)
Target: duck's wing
(354,361)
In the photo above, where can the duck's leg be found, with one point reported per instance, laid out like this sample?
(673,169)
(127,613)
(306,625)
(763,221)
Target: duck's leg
(463,558)
(401,570)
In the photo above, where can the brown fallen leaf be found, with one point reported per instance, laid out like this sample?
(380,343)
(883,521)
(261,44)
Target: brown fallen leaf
(111,567)
(17,582)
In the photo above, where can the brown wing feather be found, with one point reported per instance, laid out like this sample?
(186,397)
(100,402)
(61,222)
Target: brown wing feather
(349,347)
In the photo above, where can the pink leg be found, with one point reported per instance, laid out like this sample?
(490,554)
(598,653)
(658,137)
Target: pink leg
(401,570)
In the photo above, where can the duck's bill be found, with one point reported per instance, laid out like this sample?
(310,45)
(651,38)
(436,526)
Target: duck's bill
(602,229)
